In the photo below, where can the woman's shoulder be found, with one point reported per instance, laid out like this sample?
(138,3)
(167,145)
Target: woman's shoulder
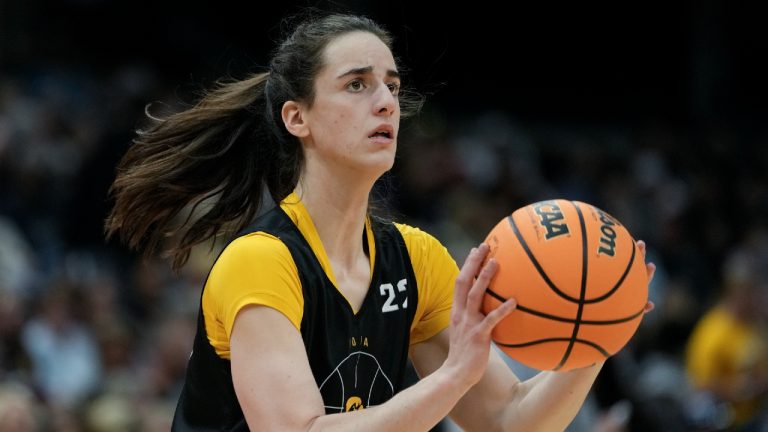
(252,247)
(251,257)
(416,238)
(407,230)
(254,243)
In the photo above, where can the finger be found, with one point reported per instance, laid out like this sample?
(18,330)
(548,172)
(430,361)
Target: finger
(641,245)
(651,269)
(495,316)
(464,280)
(649,307)
(476,293)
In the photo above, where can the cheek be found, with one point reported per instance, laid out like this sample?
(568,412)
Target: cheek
(345,121)
(332,116)
(337,120)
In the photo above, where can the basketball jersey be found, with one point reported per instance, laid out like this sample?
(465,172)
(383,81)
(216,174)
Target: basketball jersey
(357,359)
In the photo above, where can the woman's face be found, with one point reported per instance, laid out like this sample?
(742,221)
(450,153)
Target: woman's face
(354,119)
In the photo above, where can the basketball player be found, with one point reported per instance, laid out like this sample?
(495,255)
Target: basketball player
(309,315)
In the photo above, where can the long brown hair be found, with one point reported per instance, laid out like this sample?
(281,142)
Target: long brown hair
(217,158)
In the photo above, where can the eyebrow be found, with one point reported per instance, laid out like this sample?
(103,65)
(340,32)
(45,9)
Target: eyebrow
(367,70)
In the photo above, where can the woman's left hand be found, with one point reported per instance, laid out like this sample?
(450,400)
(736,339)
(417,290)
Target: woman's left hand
(651,269)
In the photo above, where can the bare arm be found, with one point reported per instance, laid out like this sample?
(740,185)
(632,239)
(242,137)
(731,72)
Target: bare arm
(546,402)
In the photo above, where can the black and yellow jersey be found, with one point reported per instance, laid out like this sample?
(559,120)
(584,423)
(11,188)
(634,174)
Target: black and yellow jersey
(358,357)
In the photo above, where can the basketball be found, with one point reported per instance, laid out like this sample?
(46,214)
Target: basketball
(579,279)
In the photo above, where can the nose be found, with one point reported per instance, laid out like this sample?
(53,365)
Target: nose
(385,102)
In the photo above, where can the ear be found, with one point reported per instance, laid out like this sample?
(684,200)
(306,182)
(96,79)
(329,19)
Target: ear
(294,120)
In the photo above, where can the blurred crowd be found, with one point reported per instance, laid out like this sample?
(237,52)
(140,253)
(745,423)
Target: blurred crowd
(94,338)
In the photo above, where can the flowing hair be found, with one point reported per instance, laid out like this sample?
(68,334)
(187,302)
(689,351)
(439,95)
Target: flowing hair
(205,171)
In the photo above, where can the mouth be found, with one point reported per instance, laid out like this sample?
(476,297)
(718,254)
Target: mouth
(383,131)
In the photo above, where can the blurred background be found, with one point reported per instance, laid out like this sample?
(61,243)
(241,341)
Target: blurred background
(655,113)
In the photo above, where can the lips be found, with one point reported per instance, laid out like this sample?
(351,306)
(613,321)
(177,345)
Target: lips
(383,131)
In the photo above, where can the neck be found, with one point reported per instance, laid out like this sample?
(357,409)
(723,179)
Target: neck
(338,209)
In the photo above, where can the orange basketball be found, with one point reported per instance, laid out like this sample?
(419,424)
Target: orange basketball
(579,279)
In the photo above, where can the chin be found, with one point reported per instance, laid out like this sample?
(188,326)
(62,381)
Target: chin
(377,166)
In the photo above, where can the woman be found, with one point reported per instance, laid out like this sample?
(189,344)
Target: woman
(309,316)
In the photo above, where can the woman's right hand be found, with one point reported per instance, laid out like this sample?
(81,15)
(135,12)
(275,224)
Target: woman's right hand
(470,330)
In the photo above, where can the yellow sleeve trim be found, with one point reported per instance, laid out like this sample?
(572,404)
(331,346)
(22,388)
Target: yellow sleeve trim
(254,269)
(436,273)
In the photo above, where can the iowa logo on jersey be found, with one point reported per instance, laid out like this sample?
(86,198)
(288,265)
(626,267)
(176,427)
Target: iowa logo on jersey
(357,382)
(353,404)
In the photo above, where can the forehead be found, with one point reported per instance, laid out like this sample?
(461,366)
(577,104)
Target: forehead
(357,49)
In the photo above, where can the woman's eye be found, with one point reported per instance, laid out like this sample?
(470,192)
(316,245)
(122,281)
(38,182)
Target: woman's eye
(356,85)
(394,88)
